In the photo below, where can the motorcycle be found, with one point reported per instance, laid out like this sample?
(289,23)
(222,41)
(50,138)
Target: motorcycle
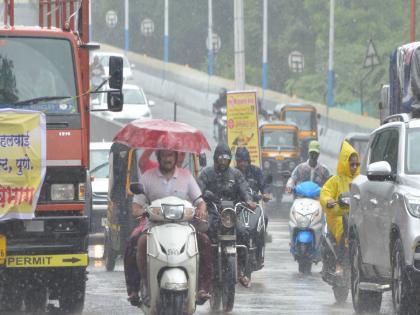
(222,232)
(340,283)
(172,259)
(253,223)
(305,225)
(220,125)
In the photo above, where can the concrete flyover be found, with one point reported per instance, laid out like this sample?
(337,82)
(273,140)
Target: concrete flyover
(197,91)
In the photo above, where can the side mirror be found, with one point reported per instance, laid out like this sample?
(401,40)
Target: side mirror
(115,72)
(151,103)
(202,159)
(136,188)
(379,171)
(115,100)
(133,65)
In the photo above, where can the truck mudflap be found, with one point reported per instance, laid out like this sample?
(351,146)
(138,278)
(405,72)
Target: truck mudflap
(46,261)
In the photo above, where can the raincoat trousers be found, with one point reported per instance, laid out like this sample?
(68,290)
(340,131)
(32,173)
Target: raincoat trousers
(335,186)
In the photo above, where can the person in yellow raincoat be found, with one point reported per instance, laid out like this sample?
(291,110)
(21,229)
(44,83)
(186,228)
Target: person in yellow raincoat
(348,167)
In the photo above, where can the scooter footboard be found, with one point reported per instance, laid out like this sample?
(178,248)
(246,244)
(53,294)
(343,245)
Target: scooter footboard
(174,279)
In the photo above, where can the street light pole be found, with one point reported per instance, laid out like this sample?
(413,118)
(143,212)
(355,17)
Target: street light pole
(239,44)
(166,34)
(330,91)
(126,25)
(90,21)
(413,21)
(210,38)
(264,56)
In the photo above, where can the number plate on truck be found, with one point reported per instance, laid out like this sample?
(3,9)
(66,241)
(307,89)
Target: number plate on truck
(2,249)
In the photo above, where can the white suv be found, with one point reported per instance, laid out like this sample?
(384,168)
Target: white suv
(384,219)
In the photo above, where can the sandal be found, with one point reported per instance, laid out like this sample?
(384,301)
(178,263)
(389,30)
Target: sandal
(134,299)
(202,297)
(245,281)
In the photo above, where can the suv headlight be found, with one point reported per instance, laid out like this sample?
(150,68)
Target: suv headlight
(413,205)
(62,192)
(173,212)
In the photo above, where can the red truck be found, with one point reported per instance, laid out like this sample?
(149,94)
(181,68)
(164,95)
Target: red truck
(46,68)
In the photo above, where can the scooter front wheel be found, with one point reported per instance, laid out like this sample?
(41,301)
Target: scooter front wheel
(305,266)
(172,303)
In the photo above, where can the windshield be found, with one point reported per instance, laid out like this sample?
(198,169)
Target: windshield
(279,140)
(413,151)
(99,163)
(38,74)
(303,119)
(133,97)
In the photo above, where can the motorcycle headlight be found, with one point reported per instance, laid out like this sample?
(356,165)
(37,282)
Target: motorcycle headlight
(266,165)
(413,205)
(173,212)
(228,218)
(62,192)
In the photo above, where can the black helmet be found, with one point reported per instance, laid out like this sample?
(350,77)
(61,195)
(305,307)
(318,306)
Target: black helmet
(222,150)
(222,92)
(242,153)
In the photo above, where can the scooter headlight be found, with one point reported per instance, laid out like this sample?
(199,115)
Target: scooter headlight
(173,212)
(228,218)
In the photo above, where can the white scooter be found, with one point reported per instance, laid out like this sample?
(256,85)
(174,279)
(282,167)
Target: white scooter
(172,259)
(305,226)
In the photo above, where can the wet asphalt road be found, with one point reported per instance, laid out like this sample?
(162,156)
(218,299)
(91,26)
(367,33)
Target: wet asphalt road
(276,289)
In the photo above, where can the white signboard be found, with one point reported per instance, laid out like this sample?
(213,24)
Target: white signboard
(147,27)
(296,61)
(216,42)
(371,58)
(111,19)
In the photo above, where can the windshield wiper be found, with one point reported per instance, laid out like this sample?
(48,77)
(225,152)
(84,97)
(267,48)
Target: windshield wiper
(41,99)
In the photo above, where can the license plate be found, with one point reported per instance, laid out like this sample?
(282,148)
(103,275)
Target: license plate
(104,221)
(34,226)
(2,249)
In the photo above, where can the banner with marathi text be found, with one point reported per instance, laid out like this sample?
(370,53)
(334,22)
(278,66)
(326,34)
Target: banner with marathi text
(242,123)
(22,162)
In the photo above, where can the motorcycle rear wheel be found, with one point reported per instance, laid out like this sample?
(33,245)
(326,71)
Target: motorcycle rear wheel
(341,293)
(229,283)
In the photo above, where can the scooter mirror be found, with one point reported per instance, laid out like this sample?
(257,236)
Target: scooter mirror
(202,159)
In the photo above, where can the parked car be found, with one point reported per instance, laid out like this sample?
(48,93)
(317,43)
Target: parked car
(99,170)
(136,105)
(104,59)
(384,221)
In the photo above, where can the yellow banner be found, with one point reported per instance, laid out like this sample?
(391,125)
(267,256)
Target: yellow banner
(242,123)
(40,261)
(2,249)
(22,162)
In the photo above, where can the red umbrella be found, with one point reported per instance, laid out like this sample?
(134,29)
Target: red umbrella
(162,134)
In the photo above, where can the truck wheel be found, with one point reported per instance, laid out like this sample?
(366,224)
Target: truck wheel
(400,282)
(229,283)
(72,297)
(340,293)
(110,255)
(35,297)
(363,301)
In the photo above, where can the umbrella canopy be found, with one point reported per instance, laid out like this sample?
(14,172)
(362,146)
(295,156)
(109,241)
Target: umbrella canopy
(160,134)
